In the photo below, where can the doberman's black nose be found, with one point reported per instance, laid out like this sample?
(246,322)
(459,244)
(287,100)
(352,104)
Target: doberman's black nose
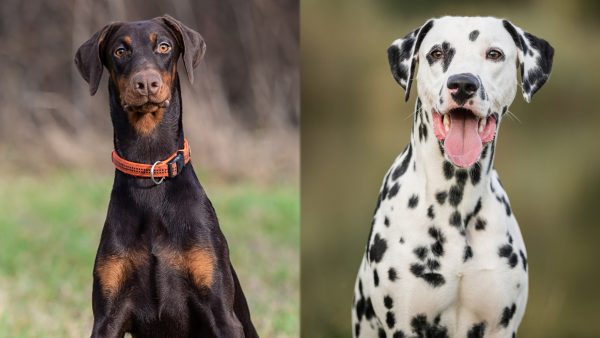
(462,87)
(146,82)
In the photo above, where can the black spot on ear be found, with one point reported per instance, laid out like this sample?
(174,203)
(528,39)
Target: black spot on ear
(473,35)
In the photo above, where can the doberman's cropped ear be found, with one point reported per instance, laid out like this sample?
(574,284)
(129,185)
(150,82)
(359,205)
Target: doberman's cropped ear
(535,58)
(88,58)
(192,43)
(403,56)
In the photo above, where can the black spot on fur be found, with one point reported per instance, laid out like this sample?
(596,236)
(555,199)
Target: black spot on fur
(375,277)
(360,308)
(477,331)
(437,248)
(434,279)
(417,269)
(523,259)
(401,169)
(393,190)
(455,219)
(401,240)
(433,264)
(448,170)
(505,251)
(480,224)
(430,213)
(386,221)
(461,177)
(390,319)
(473,35)
(513,260)
(475,173)
(441,197)
(377,249)
(398,334)
(357,329)
(423,329)
(381,333)
(413,201)
(392,274)
(504,110)
(421,252)
(468,254)
(456,195)
(388,302)
(448,55)
(507,315)
(422,132)
(369,312)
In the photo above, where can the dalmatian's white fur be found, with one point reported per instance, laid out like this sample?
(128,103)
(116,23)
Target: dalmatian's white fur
(445,257)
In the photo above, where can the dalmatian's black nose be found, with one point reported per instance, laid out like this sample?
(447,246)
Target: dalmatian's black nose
(462,87)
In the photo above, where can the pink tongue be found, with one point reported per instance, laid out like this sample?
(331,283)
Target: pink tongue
(463,143)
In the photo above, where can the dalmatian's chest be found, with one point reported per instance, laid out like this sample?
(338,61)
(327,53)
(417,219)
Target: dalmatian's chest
(446,253)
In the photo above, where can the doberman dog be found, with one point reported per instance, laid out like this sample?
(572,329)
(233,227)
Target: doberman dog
(162,268)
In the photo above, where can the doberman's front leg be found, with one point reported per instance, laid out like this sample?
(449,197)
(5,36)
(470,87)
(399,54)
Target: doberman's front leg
(112,313)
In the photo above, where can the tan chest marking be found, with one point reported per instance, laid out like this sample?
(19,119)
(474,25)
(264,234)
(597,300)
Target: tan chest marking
(198,263)
(113,270)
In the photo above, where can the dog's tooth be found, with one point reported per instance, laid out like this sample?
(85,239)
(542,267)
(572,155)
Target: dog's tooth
(482,124)
(446,122)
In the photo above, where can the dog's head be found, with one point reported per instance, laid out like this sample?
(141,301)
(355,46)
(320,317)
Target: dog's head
(467,76)
(141,58)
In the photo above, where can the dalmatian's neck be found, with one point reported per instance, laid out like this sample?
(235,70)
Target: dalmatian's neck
(445,185)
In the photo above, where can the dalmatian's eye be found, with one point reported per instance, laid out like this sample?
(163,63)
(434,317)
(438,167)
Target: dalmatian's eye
(436,54)
(163,48)
(119,52)
(494,54)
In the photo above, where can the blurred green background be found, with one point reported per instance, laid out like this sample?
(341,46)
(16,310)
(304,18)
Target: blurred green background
(241,117)
(355,122)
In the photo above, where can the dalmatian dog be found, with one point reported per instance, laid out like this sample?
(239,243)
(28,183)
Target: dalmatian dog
(445,257)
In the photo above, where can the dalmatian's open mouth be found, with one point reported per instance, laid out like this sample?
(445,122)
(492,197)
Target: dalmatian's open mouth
(463,134)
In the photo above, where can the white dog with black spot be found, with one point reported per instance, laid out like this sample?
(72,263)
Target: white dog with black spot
(445,257)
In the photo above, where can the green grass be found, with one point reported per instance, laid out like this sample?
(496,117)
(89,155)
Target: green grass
(49,232)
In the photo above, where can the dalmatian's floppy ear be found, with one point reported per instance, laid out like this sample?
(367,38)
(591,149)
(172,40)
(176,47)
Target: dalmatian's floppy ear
(88,58)
(402,55)
(535,57)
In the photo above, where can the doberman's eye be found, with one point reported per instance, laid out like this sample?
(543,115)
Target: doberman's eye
(163,48)
(494,54)
(119,52)
(436,54)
